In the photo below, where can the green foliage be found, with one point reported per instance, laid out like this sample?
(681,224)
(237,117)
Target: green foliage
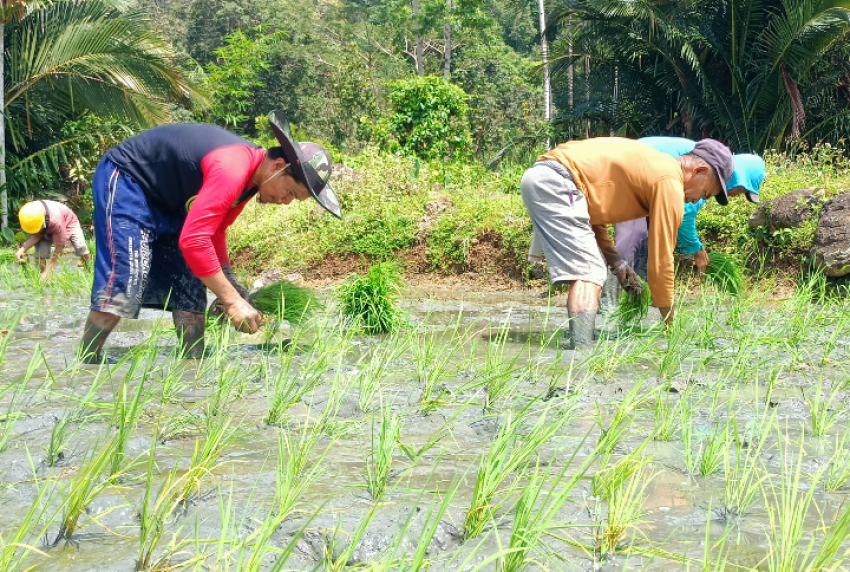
(759,75)
(285,300)
(371,300)
(235,76)
(430,118)
(724,272)
(66,60)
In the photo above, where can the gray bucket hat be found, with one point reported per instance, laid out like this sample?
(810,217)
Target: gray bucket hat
(719,157)
(311,164)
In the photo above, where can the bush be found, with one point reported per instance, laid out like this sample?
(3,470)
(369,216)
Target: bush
(431,118)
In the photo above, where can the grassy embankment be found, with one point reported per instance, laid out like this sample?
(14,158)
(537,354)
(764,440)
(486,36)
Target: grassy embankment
(460,218)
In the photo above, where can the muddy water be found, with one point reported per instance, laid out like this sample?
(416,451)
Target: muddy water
(748,370)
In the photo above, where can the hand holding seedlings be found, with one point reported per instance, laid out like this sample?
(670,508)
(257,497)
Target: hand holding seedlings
(700,262)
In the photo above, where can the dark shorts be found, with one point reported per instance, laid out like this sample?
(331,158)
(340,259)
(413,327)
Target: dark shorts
(139,262)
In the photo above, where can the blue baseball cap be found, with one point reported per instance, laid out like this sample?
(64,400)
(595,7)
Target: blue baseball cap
(749,174)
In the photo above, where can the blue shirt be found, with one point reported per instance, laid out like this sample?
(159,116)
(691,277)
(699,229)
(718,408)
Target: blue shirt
(687,242)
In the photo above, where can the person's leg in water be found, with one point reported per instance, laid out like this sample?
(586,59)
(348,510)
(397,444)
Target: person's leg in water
(98,327)
(190,333)
(582,303)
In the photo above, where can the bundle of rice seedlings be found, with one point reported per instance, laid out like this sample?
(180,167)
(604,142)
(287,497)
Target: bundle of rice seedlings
(371,300)
(724,272)
(283,299)
(633,308)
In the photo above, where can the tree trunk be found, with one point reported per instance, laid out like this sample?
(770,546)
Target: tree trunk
(547,84)
(587,93)
(4,195)
(447,69)
(420,71)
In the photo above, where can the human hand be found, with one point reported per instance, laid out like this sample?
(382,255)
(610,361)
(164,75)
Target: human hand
(667,314)
(19,255)
(243,316)
(628,279)
(45,275)
(701,261)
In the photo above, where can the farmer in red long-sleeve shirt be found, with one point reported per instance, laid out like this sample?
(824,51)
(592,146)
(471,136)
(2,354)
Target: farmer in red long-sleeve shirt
(162,203)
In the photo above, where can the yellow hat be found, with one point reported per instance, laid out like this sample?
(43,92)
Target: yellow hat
(31,216)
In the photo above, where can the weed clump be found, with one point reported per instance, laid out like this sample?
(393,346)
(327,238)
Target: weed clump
(724,272)
(371,300)
(633,308)
(285,300)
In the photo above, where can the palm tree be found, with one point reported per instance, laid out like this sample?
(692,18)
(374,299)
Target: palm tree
(67,58)
(740,70)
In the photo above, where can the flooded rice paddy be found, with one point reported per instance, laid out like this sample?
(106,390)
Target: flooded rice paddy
(468,441)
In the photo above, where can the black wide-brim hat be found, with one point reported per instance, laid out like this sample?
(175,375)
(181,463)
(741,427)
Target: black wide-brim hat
(311,164)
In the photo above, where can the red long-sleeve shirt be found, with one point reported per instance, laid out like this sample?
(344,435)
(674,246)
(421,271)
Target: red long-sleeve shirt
(226,189)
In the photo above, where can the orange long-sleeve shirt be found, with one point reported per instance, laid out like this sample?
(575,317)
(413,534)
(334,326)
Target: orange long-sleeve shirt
(624,180)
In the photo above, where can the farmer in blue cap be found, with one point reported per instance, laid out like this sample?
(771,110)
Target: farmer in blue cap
(631,237)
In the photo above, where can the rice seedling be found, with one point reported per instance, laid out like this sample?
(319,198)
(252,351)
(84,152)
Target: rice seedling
(632,308)
(398,557)
(743,472)
(536,512)
(706,456)
(667,413)
(507,453)
(371,300)
(825,410)
(380,458)
(415,453)
(9,419)
(295,472)
(724,272)
(86,485)
(498,372)
(838,473)
(17,546)
(556,373)
(787,505)
(435,363)
(375,366)
(158,503)
(610,478)
(285,301)
(219,436)
(58,439)
(128,407)
(340,562)
(621,421)
(7,331)
(625,509)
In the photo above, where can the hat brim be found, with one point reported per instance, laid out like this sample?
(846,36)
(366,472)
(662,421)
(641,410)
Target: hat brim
(753,198)
(722,197)
(301,169)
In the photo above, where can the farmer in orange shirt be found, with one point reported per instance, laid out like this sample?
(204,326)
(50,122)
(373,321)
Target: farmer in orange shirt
(576,190)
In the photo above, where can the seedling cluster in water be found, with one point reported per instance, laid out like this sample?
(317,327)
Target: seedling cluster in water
(466,439)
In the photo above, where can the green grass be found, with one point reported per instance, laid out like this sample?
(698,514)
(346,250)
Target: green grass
(371,301)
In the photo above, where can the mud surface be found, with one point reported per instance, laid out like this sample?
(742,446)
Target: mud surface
(471,368)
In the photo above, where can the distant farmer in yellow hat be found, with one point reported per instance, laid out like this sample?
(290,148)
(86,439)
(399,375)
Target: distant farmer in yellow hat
(50,223)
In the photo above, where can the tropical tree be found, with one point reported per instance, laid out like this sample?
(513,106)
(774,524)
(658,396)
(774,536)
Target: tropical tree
(740,70)
(65,59)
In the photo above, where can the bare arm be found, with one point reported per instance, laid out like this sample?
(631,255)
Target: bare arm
(31,241)
(58,249)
